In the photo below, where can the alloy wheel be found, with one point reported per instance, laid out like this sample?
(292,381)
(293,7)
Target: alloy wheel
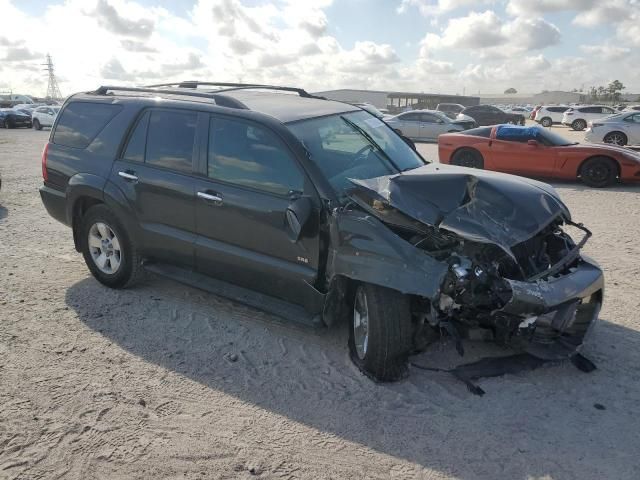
(104,248)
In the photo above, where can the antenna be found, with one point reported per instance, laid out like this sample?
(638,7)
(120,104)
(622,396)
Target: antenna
(53,91)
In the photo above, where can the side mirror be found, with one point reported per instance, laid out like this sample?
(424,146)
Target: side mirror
(532,143)
(297,216)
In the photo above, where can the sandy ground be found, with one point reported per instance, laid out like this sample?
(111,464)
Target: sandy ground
(97,383)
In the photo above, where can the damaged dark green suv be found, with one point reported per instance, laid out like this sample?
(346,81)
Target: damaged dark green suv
(318,212)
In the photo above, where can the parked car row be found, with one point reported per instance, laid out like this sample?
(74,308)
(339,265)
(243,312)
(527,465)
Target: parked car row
(21,116)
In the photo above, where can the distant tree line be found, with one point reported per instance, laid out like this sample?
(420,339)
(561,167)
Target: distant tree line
(610,93)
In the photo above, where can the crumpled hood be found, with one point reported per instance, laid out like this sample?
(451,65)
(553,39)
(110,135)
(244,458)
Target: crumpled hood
(477,205)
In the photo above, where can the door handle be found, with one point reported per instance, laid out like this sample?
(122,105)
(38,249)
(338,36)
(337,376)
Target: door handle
(212,197)
(128,176)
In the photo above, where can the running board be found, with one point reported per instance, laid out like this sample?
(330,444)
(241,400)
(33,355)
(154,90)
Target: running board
(275,306)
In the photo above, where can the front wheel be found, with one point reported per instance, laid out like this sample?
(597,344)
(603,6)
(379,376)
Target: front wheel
(36,124)
(579,125)
(380,335)
(599,172)
(546,122)
(7,124)
(616,138)
(110,254)
(468,157)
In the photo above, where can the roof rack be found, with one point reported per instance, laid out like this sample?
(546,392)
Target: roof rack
(220,100)
(193,84)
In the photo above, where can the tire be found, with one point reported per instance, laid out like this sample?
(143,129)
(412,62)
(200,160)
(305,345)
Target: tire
(579,125)
(616,138)
(36,124)
(130,269)
(7,124)
(468,157)
(384,354)
(599,172)
(546,122)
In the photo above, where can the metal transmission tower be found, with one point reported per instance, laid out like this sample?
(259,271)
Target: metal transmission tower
(53,91)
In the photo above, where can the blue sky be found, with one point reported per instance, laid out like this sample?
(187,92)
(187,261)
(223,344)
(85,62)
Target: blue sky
(424,45)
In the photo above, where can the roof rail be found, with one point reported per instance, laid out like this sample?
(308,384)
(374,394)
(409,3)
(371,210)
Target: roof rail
(193,84)
(220,100)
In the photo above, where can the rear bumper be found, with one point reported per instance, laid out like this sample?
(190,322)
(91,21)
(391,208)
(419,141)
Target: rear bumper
(55,202)
(556,315)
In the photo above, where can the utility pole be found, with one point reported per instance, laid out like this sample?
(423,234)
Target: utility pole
(53,91)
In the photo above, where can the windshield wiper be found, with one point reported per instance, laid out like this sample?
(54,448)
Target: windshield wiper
(371,141)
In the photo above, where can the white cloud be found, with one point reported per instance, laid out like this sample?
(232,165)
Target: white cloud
(607,52)
(486,30)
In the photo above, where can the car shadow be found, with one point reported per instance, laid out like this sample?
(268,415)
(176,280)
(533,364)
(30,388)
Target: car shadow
(555,422)
(4,212)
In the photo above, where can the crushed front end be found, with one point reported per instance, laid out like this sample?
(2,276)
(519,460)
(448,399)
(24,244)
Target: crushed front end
(513,269)
(543,299)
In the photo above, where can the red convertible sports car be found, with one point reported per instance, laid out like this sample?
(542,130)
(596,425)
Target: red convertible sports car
(538,152)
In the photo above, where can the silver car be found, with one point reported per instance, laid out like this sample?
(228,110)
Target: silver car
(427,125)
(620,129)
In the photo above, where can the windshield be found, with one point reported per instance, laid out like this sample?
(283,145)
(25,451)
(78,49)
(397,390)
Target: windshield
(354,145)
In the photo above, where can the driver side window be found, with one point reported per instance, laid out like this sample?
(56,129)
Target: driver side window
(249,155)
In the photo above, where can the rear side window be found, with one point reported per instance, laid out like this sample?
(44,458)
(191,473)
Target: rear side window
(557,109)
(249,155)
(80,122)
(170,139)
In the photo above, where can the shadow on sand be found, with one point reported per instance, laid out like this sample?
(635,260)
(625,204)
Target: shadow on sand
(540,424)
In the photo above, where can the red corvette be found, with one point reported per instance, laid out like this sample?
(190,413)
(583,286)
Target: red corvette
(538,152)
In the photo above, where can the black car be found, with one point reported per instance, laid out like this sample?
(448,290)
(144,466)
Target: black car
(10,118)
(316,211)
(490,115)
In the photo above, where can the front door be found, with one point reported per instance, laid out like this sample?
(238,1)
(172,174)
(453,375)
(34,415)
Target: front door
(243,236)
(156,174)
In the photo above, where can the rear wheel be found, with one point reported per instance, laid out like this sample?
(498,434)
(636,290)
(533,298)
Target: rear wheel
(468,157)
(110,255)
(546,122)
(579,125)
(599,172)
(616,138)
(36,124)
(380,336)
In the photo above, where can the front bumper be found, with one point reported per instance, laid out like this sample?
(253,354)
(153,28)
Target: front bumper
(591,136)
(556,315)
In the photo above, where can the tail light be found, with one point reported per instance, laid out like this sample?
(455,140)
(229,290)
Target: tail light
(45,151)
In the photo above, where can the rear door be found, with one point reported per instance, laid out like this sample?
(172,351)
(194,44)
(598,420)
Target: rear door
(156,174)
(410,124)
(251,178)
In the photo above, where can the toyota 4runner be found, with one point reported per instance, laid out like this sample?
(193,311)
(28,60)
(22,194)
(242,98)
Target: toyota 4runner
(318,212)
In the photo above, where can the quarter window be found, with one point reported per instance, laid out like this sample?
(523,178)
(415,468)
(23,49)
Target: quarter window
(135,148)
(82,121)
(170,139)
(249,155)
